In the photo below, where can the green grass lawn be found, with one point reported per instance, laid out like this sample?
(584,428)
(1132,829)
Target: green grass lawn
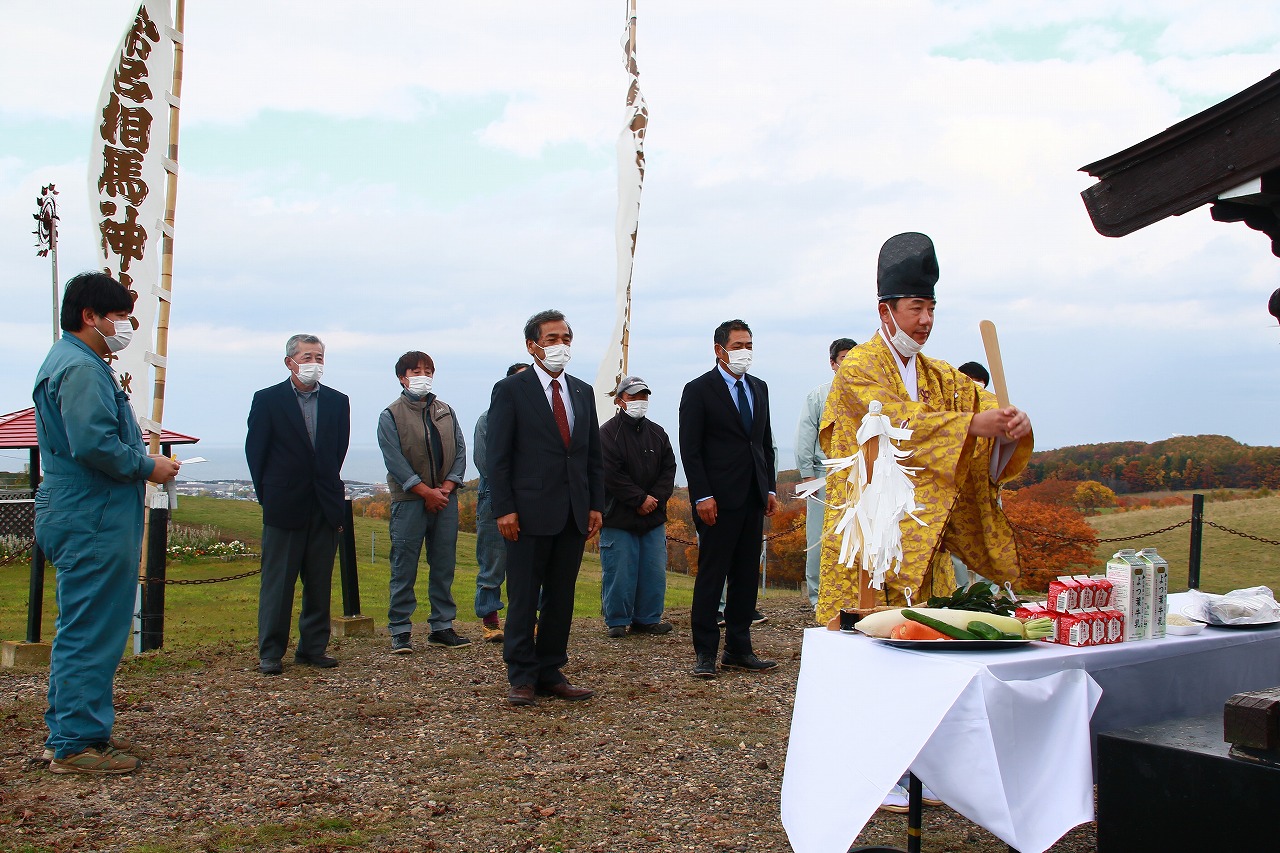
(197,615)
(1226,562)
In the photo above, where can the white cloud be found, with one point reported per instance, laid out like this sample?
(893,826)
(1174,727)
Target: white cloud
(786,143)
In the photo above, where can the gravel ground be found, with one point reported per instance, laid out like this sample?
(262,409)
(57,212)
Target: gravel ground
(422,752)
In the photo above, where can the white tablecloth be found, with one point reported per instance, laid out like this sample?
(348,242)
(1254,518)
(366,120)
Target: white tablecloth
(1003,737)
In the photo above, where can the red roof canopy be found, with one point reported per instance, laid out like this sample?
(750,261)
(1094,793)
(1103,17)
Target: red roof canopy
(18,430)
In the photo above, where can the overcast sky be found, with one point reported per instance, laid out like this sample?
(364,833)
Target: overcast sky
(426,175)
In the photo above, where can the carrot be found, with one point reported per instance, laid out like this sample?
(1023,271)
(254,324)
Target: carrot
(915,631)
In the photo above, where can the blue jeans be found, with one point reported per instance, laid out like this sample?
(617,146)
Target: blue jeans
(491,557)
(411,525)
(633,573)
(814,512)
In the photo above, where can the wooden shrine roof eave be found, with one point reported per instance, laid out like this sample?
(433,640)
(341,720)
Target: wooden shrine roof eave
(1188,165)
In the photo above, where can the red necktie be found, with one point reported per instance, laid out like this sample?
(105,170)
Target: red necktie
(557,409)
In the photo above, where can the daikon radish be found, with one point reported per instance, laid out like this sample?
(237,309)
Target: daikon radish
(881,623)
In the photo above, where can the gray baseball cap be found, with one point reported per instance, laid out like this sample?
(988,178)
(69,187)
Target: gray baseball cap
(631,385)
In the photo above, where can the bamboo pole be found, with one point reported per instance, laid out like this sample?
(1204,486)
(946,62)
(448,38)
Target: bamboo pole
(166,240)
(166,274)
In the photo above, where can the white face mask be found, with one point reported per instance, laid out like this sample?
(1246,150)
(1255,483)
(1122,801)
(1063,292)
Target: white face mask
(636,408)
(310,373)
(906,345)
(419,386)
(739,360)
(555,357)
(122,337)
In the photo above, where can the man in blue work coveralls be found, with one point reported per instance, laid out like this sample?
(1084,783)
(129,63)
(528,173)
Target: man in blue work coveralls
(89,520)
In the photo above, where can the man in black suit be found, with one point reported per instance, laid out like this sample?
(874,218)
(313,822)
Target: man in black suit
(547,485)
(297,440)
(726,445)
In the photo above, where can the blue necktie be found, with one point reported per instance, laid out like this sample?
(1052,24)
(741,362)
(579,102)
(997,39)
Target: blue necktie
(744,407)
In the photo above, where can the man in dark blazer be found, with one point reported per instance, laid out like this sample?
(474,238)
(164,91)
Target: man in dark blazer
(547,491)
(726,445)
(297,440)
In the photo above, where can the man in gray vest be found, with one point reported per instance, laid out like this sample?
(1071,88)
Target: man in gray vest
(426,456)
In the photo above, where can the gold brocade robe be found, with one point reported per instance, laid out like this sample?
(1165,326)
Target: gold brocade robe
(961,510)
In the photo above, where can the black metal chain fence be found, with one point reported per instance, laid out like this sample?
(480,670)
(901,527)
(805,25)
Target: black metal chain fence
(198,581)
(799,525)
(1241,533)
(18,554)
(1038,532)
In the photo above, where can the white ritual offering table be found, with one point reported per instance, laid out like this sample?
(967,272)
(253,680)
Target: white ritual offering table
(1004,737)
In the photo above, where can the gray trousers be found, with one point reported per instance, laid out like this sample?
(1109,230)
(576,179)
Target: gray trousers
(814,510)
(288,555)
(411,525)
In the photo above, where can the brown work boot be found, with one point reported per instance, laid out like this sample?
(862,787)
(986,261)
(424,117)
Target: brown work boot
(97,760)
(119,744)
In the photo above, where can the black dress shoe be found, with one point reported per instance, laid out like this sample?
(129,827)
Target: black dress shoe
(706,667)
(747,661)
(521,694)
(270,667)
(317,661)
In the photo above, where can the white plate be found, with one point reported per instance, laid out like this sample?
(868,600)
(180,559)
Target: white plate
(1195,618)
(953,645)
(1184,630)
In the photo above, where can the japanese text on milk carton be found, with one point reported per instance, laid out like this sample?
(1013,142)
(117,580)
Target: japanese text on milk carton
(1128,575)
(1157,592)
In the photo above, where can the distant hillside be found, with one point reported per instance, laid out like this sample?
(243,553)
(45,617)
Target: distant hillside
(1182,462)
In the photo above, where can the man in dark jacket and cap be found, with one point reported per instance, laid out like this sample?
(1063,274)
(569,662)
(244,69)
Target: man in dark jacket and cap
(963,446)
(639,477)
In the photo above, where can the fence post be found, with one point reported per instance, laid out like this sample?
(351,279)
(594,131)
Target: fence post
(35,594)
(152,633)
(347,562)
(1197,529)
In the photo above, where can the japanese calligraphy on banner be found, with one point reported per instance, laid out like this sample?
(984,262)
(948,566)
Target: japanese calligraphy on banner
(127,180)
(630,149)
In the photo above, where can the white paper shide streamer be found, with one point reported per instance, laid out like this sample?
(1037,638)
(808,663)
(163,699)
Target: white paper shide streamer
(127,181)
(868,524)
(630,183)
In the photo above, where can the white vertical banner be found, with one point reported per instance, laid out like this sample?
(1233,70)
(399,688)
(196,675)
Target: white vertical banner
(127,181)
(630,183)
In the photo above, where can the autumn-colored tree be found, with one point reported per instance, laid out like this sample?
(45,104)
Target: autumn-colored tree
(679,532)
(375,506)
(1091,496)
(467,509)
(1052,540)
(1051,491)
(786,554)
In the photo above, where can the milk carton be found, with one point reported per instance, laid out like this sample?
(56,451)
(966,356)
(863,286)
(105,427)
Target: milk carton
(1101,592)
(1115,625)
(1129,593)
(1064,594)
(1087,587)
(1158,592)
(1073,629)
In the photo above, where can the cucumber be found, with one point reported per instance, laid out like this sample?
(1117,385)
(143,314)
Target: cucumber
(985,631)
(942,627)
